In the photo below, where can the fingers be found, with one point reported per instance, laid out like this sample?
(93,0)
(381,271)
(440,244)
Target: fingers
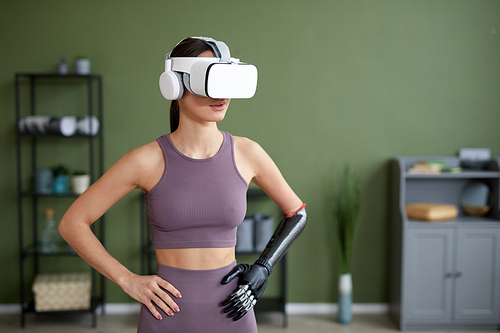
(153,310)
(162,299)
(231,275)
(243,308)
(168,287)
(236,271)
(160,303)
(153,292)
(239,302)
(239,293)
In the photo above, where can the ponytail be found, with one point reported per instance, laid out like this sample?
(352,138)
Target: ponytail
(174,115)
(188,47)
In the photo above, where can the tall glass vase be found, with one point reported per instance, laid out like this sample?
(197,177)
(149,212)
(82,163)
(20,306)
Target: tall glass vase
(345,299)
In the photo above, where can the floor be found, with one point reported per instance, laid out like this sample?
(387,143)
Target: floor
(267,323)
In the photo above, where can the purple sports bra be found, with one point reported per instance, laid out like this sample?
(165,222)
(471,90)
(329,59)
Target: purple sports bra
(197,203)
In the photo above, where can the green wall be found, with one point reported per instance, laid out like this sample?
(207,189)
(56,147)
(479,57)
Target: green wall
(339,81)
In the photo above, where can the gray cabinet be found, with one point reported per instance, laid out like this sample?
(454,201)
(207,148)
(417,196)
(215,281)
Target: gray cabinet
(444,275)
(452,275)
(477,275)
(427,288)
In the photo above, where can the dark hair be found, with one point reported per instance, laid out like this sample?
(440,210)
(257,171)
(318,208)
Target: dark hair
(188,47)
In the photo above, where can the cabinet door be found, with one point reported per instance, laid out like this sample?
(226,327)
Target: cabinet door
(427,283)
(478,274)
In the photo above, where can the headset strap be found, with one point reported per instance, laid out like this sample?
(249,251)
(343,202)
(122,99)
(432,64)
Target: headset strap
(220,48)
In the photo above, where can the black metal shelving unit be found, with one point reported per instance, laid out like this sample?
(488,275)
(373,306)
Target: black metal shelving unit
(265,304)
(29,247)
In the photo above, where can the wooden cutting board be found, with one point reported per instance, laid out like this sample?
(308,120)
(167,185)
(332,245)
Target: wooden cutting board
(431,211)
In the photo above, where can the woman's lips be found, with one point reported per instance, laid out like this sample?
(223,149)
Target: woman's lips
(219,105)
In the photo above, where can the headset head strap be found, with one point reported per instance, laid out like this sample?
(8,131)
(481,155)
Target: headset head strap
(220,48)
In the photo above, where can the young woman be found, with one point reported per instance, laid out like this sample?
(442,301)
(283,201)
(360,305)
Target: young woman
(195,181)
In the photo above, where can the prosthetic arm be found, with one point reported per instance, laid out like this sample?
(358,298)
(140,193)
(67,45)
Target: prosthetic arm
(253,278)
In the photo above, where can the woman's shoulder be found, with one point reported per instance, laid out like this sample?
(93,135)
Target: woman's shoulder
(145,156)
(248,147)
(245,144)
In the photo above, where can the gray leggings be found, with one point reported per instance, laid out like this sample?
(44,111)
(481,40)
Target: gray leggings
(200,309)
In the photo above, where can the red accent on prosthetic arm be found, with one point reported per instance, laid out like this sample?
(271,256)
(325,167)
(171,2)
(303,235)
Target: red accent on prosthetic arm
(290,215)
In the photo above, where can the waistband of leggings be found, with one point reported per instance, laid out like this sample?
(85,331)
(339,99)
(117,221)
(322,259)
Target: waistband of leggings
(174,272)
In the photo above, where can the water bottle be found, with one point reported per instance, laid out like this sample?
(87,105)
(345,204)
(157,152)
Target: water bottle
(49,234)
(62,67)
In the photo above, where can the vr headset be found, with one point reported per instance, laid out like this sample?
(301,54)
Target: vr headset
(214,77)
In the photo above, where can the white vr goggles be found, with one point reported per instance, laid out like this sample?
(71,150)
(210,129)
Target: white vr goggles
(219,77)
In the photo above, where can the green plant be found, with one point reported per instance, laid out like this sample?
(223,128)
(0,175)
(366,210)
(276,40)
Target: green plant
(346,207)
(79,173)
(60,170)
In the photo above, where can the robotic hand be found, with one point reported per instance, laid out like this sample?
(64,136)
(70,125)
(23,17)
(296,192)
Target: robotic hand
(252,283)
(253,278)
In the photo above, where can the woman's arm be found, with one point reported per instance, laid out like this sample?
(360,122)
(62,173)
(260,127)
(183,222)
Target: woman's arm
(253,278)
(141,168)
(256,166)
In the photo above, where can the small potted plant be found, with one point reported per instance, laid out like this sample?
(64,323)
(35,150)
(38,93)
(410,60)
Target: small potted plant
(346,207)
(80,182)
(60,185)
(82,65)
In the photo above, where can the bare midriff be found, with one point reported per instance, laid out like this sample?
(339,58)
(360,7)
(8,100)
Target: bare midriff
(197,258)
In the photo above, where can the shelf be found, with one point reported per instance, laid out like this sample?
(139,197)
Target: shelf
(460,175)
(58,76)
(52,195)
(462,221)
(62,251)
(80,136)
(444,274)
(26,93)
(94,304)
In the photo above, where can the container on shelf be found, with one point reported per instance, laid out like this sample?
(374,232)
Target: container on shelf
(62,292)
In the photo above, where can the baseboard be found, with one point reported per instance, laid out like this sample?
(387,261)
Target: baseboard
(332,308)
(10,309)
(291,308)
(123,308)
(111,308)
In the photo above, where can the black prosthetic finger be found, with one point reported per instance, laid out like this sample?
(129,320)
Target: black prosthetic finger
(247,307)
(236,315)
(237,294)
(228,308)
(231,275)
(239,316)
(237,305)
(229,299)
(240,306)
(231,307)
(236,271)
(244,306)
(239,302)
(236,311)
